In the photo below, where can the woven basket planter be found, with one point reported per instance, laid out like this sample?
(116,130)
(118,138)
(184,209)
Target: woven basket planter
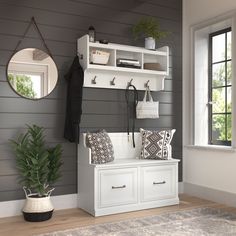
(37,208)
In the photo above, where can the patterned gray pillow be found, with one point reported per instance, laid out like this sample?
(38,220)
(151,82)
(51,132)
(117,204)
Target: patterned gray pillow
(101,147)
(156,144)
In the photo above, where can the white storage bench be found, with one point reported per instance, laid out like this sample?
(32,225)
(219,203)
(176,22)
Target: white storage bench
(127,183)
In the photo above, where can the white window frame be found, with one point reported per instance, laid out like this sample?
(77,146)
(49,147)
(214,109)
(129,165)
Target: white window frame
(199,69)
(32,69)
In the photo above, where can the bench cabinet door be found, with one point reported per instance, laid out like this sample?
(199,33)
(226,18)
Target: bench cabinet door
(117,187)
(158,182)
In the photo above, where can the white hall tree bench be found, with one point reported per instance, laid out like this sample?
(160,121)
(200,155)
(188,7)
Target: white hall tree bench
(126,184)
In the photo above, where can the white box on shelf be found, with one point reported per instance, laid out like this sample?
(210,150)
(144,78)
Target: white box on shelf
(99,57)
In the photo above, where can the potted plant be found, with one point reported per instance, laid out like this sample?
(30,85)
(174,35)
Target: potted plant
(149,28)
(39,167)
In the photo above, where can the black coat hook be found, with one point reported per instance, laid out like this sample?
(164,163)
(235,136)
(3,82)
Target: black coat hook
(81,56)
(113,81)
(93,81)
(130,82)
(146,84)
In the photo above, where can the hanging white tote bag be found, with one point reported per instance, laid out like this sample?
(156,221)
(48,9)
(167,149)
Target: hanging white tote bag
(147,109)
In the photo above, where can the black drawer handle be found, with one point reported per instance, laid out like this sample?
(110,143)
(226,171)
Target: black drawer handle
(115,187)
(163,182)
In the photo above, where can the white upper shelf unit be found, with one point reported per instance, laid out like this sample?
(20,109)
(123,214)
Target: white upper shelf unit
(115,77)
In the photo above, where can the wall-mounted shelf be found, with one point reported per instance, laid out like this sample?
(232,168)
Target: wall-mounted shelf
(105,74)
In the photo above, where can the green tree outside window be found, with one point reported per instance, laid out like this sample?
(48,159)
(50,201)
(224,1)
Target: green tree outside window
(23,85)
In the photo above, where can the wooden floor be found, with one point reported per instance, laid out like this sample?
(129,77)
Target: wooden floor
(73,218)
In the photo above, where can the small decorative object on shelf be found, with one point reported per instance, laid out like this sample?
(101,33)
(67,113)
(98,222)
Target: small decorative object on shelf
(129,63)
(103,41)
(152,66)
(92,34)
(150,29)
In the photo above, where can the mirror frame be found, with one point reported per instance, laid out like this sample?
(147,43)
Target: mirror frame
(7,67)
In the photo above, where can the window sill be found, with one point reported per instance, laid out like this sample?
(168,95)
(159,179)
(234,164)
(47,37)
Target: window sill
(212,148)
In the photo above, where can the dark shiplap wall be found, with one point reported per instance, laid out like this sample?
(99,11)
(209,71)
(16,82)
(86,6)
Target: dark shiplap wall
(62,22)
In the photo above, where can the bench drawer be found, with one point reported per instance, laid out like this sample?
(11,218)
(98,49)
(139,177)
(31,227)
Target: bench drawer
(158,182)
(117,187)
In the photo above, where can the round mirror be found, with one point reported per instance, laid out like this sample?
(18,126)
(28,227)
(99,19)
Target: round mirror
(32,73)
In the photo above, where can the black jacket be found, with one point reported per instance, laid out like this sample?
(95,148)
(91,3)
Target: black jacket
(75,81)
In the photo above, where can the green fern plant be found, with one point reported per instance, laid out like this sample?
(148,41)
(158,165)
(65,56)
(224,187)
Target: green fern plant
(38,165)
(148,27)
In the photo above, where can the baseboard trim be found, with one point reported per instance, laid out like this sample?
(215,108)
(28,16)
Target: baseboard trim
(181,187)
(13,208)
(210,194)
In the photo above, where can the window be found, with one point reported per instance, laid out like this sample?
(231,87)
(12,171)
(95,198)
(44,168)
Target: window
(220,77)
(213,91)
(26,84)
(28,79)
